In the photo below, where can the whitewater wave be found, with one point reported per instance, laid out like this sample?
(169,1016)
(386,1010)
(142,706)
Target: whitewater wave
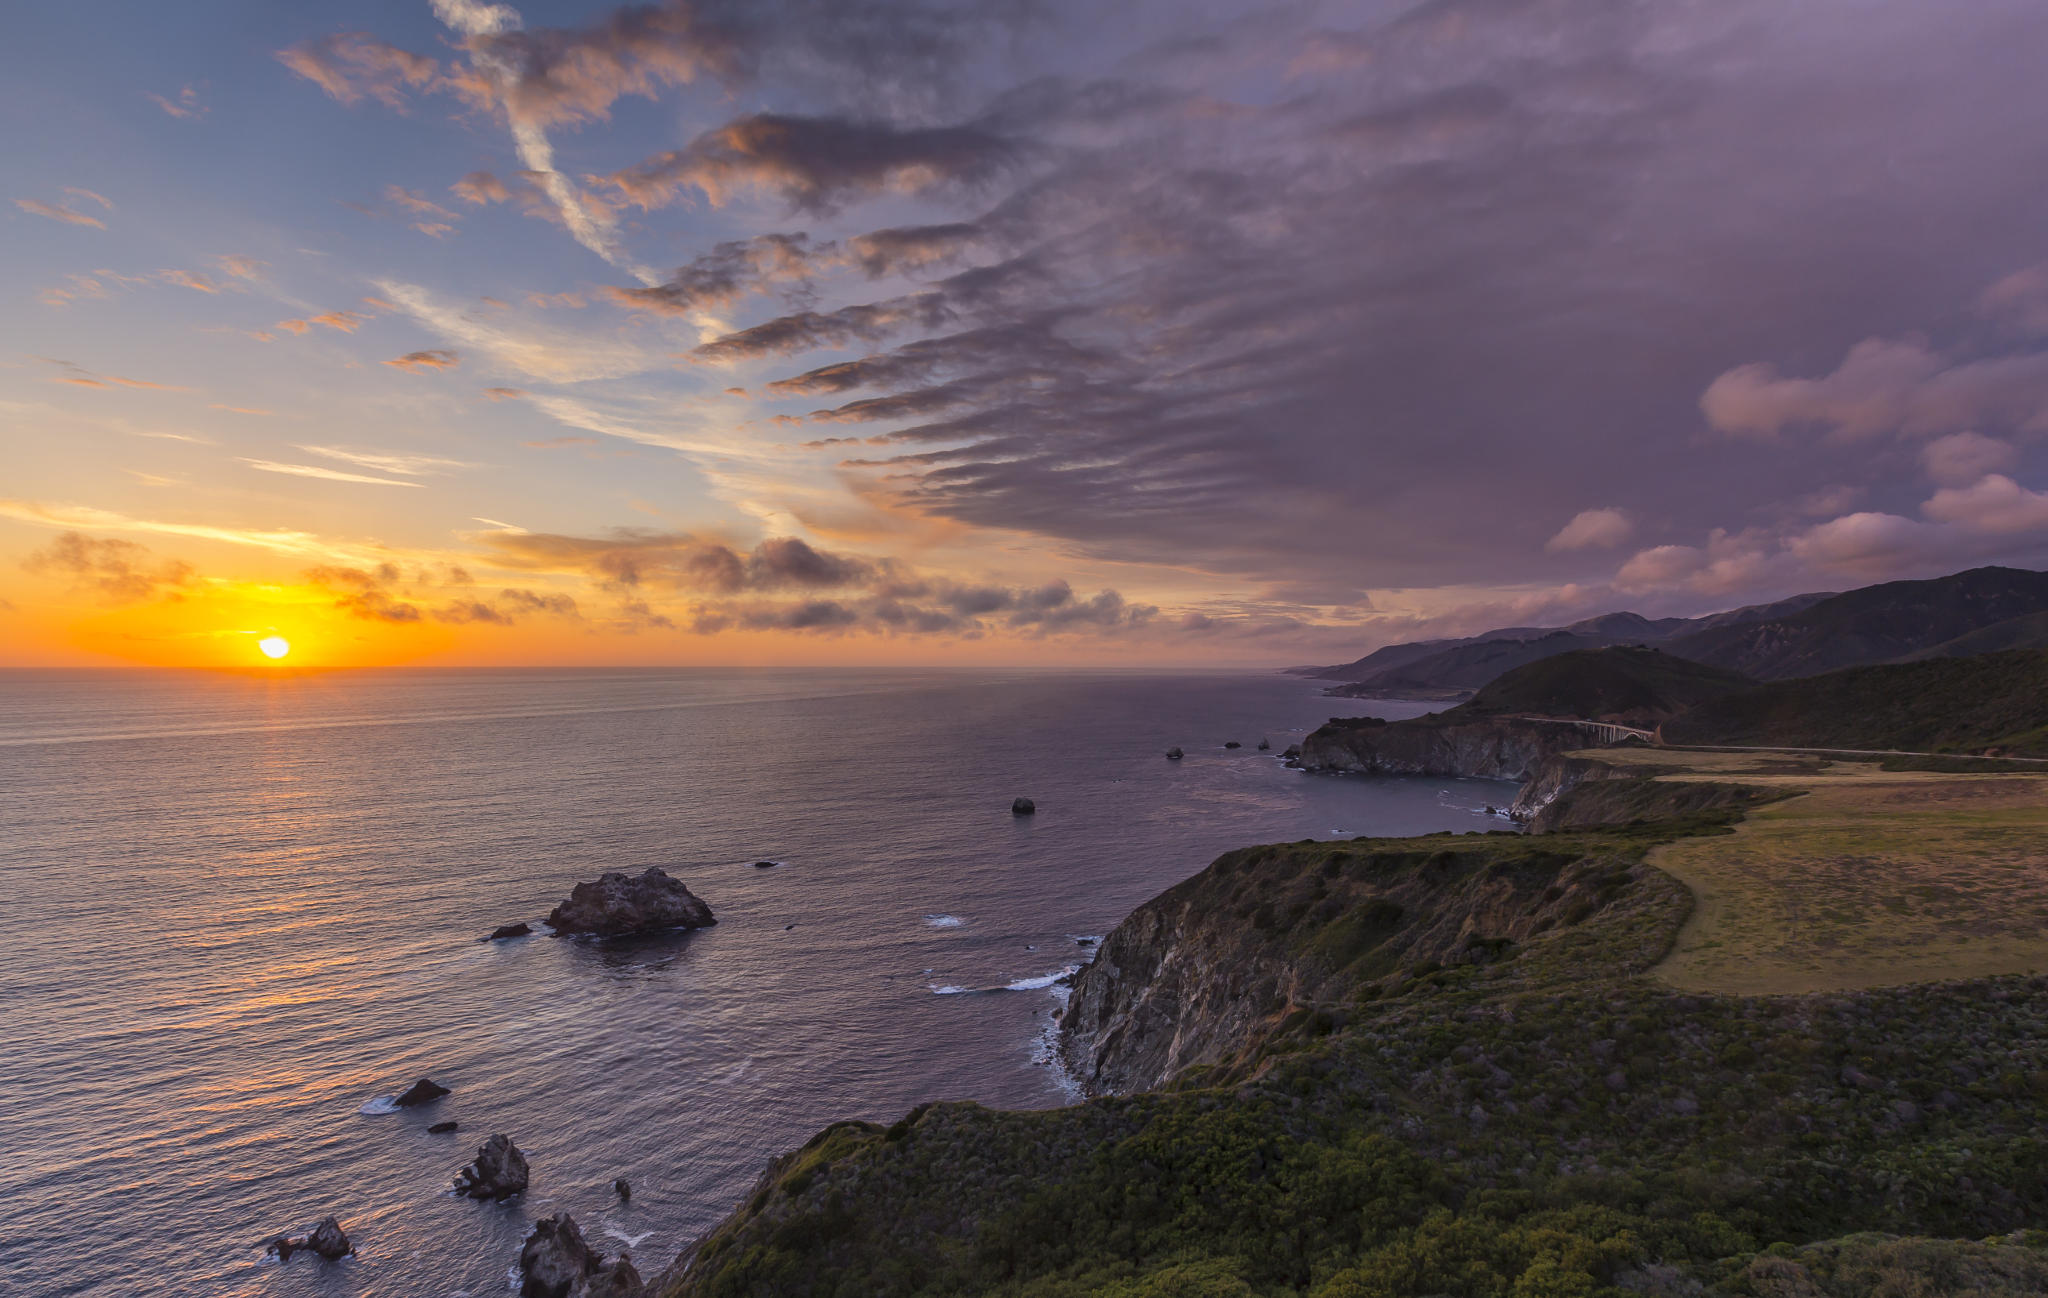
(383,1104)
(1039,983)
(943,921)
(630,1241)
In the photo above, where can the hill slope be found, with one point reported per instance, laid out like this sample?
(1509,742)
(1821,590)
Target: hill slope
(1628,684)
(1988,702)
(1872,625)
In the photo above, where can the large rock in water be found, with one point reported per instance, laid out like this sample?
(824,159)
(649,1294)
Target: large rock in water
(424,1091)
(498,1171)
(327,1240)
(557,1263)
(618,904)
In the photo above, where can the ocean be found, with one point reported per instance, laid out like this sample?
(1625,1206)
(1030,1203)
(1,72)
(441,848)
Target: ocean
(242,912)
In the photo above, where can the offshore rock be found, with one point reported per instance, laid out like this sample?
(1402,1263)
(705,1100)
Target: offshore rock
(619,904)
(556,1262)
(1174,754)
(1023,807)
(554,1259)
(443,1128)
(497,1172)
(424,1091)
(504,931)
(327,1240)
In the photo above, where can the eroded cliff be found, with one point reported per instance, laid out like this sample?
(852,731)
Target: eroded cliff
(1203,972)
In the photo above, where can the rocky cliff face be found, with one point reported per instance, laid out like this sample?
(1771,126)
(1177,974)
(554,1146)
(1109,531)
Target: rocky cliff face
(1498,749)
(1204,972)
(1554,777)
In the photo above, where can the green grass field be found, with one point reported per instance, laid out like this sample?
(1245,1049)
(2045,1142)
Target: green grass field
(1869,878)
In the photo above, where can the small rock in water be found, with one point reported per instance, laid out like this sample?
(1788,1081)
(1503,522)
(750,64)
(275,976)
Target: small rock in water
(1265,745)
(1233,744)
(787,927)
(498,1171)
(764,865)
(424,1091)
(504,931)
(624,1188)
(327,1240)
(1174,754)
(443,1128)
(1023,807)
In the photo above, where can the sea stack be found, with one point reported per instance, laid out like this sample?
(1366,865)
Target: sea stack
(424,1091)
(328,1240)
(619,904)
(497,1172)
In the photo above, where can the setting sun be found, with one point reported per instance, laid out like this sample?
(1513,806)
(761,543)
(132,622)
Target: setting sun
(274,646)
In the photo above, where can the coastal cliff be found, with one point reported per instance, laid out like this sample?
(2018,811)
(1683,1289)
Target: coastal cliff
(1202,973)
(1490,748)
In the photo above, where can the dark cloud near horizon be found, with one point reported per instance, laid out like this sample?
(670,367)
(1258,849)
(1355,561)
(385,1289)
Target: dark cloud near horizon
(820,590)
(120,572)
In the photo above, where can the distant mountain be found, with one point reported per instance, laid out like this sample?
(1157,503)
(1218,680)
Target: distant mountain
(1624,683)
(1873,625)
(1452,669)
(1996,702)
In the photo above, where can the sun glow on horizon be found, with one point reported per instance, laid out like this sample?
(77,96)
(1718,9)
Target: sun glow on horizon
(274,646)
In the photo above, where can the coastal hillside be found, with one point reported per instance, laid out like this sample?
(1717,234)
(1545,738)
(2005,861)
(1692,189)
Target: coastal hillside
(1630,684)
(1982,610)
(1876,624)
(1443,1101)
(1989,703)
(1454,667)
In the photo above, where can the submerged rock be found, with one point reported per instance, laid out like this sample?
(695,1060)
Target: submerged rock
(442,1128)
(424,1091)
(497,1172)
(1233,744)
(504,931)
(1023,807)
(328,1240)
(619,904)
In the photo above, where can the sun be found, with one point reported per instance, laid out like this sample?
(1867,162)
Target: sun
(274,646)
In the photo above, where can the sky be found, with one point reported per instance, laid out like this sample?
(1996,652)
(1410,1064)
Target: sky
(1030,331)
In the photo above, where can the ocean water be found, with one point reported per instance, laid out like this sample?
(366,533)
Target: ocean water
(239,911)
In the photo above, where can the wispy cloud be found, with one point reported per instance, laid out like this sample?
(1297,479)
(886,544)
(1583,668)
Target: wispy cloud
(78,376)
(422,362)
(552,355)
(331,475)
(37,207)
(89,518)
(350,65)
(184,105)
(387,461)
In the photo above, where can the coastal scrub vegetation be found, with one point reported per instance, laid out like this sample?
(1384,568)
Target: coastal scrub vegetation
(1541,1120)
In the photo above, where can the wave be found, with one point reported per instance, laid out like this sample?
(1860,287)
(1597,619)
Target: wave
(943,921)
(1040,983)
(381,1105)
(630,1241)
